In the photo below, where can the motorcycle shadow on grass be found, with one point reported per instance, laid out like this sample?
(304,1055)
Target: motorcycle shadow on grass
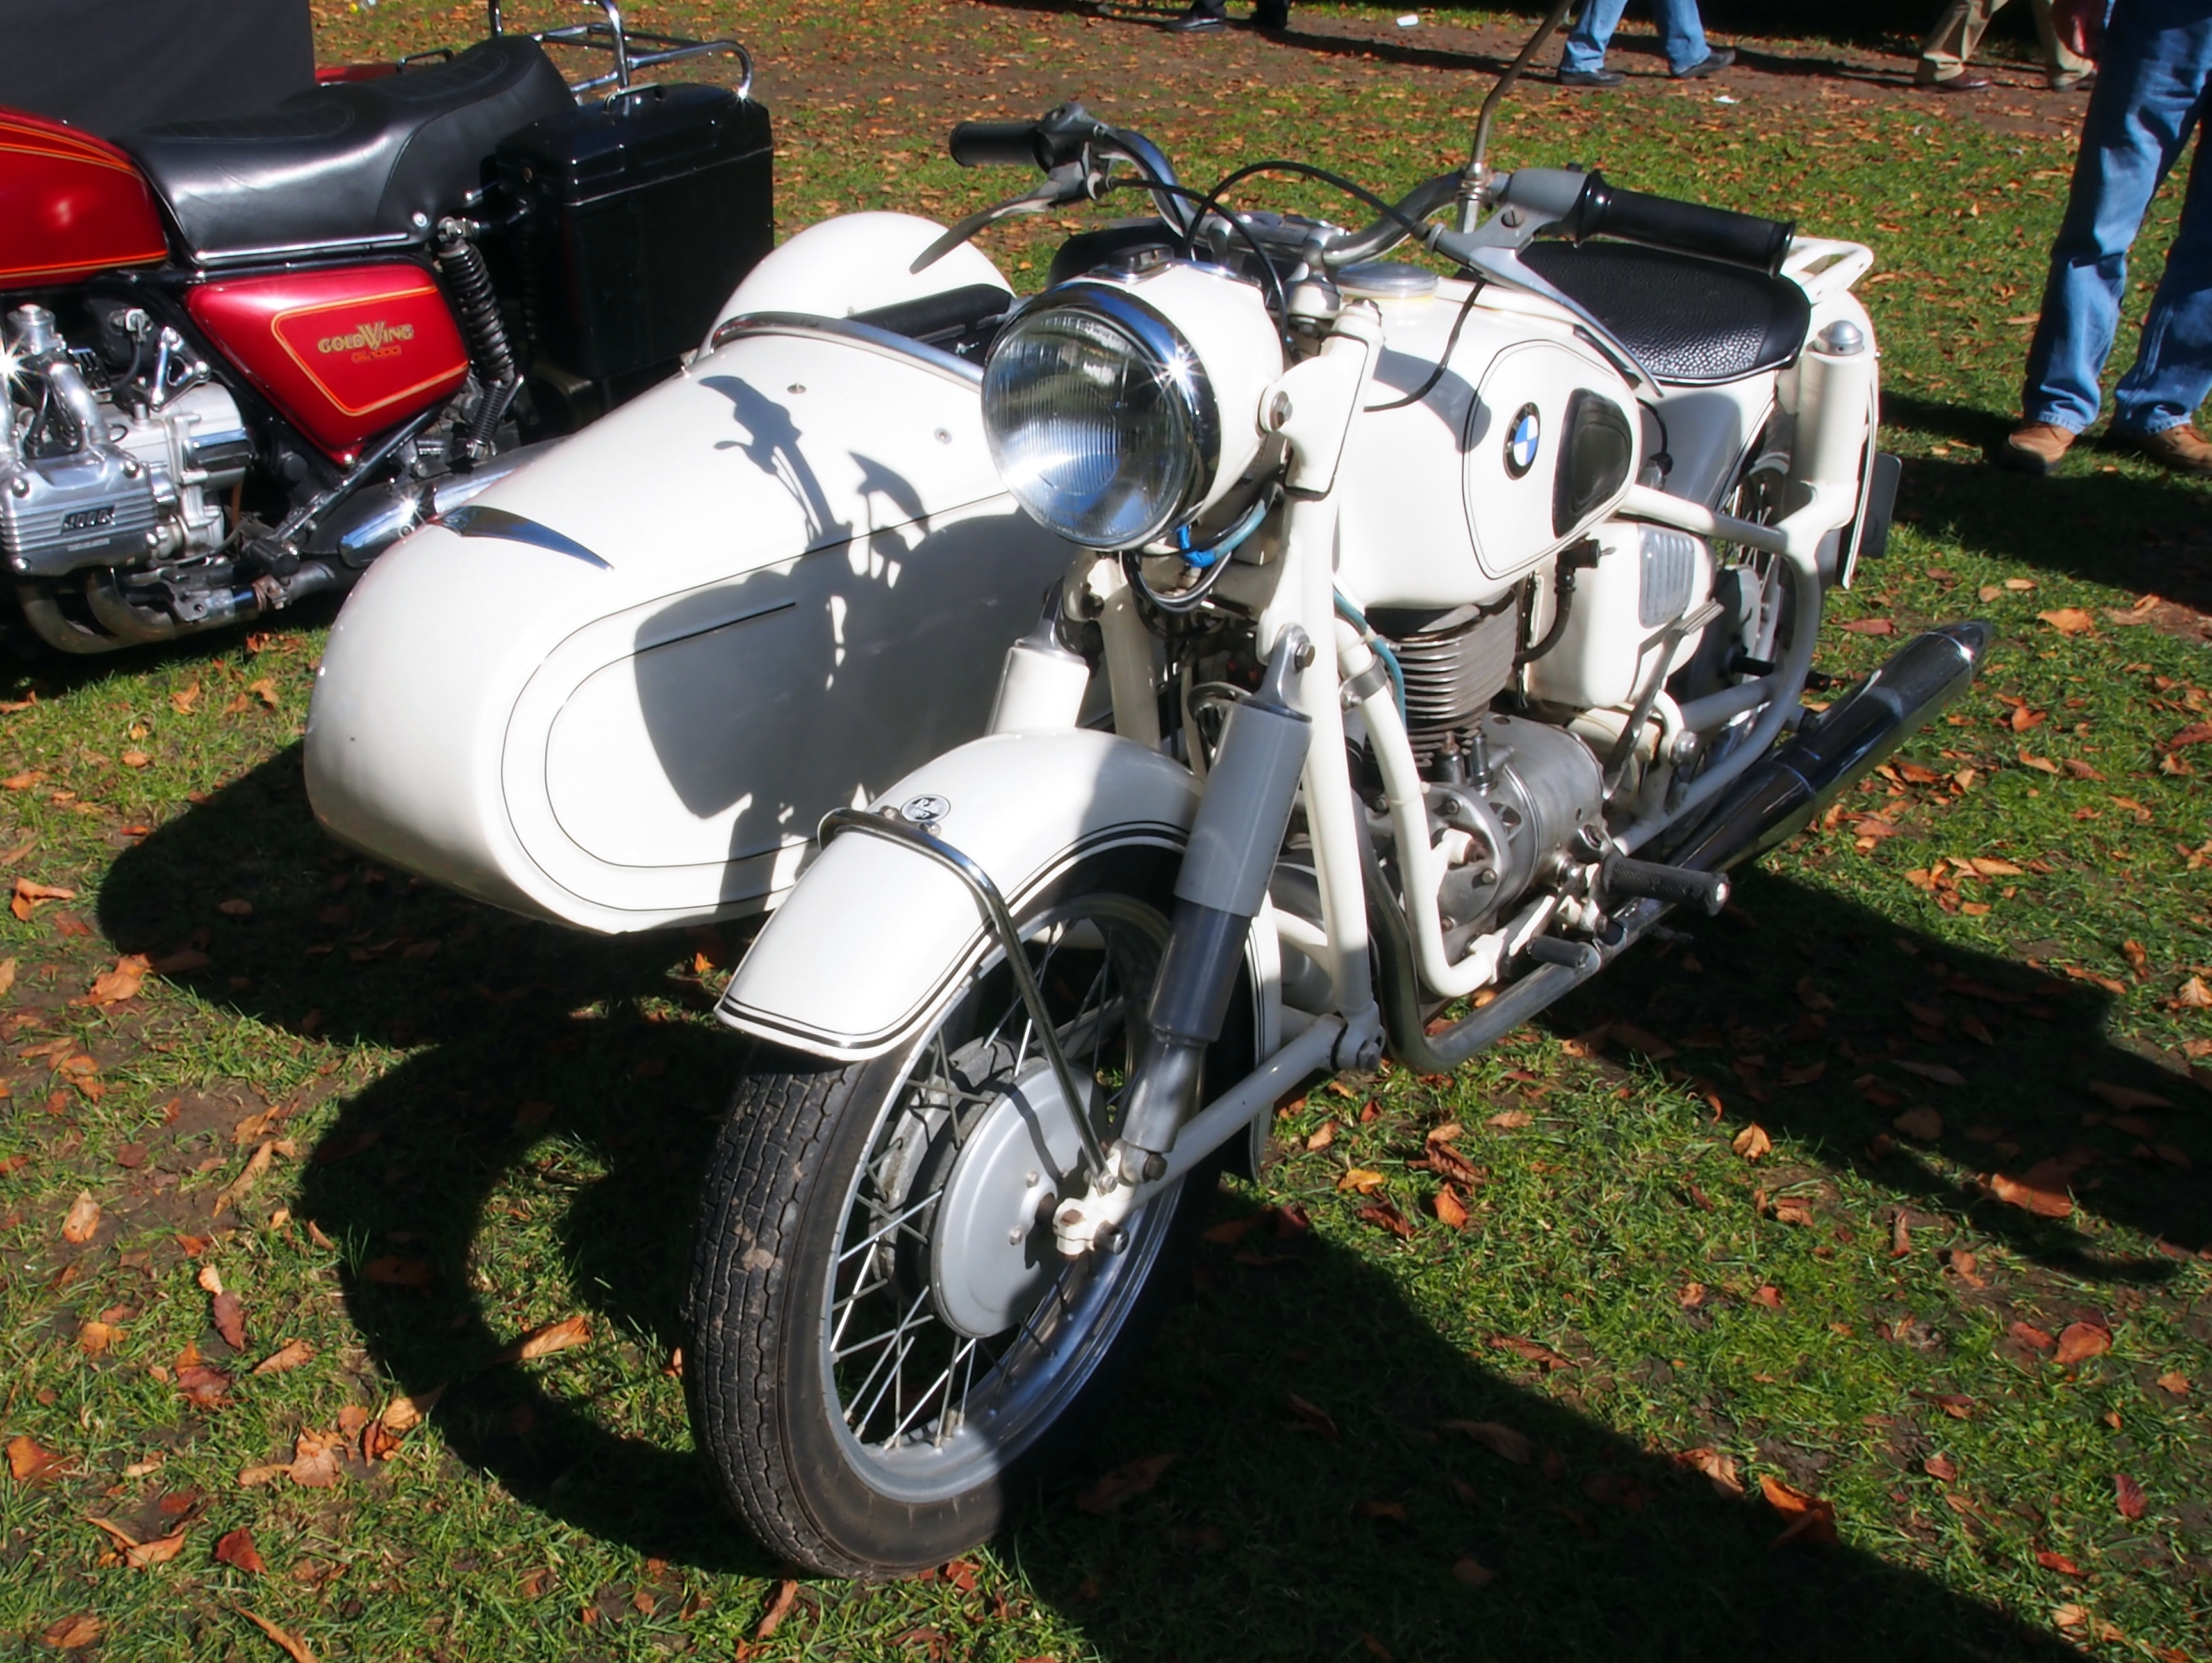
(558,1105)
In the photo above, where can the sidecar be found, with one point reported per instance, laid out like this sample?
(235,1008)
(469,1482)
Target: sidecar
(619,689)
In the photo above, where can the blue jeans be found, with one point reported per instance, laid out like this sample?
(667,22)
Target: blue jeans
(1680,32)
(2154,85)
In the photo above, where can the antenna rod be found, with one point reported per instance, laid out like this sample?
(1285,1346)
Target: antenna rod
(1489,110)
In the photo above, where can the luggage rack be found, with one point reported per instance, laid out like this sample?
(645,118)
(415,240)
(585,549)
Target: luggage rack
(632,50)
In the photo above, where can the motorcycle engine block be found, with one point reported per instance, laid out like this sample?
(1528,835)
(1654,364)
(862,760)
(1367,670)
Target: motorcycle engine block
(87,480)
(1527,790)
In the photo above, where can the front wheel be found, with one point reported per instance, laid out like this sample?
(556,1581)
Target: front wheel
(886,1348)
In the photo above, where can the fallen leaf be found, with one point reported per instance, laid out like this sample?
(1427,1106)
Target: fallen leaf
(1322,1136)
(289,1355)
(201,1383)
(1385,1216)
(2068,619)
(1923,1126)
(1471,1570)
(1449,1211)
(141,1556)
(1752,1143)
(2195,994)
(1869,626)
(265,689)
(235,1190)
(229,1319)
(73,1633)
(2175,1382)
(94,1337)
(404,1414)
(1720,1468)
(1392,1510)
(1133,1479)
(2057,1562)
(1942,1073)
(1940,1466)
(2032,1336)
(567,1333)
(2043,1203)
(1501,1440)
(182,702)
(236,907)
(1311,1417)
(394,1271)
(2080,1341)
(1769,1296)
(1362,1179)
(123,982)
(236,1548)
(1512,1120)
(1812,1520)
(31,1463)
(2127,1098)
(7,978)
(293,1646)
(2040,764)
(83,1220)
(314,1461)
(1529,1350)
(2127,1496)
(2069,1616)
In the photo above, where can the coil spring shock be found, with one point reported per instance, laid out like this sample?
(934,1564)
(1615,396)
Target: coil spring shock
(469,281)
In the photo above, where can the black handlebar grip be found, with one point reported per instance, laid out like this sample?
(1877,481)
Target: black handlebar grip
(1642,879)
(1688,228)
(997,144)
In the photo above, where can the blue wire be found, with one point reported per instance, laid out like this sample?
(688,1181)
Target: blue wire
(1352,616)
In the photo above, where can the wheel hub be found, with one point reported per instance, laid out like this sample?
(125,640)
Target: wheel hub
(991,1256)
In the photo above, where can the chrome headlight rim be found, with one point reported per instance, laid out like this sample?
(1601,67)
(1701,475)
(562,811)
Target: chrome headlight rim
(1163,348)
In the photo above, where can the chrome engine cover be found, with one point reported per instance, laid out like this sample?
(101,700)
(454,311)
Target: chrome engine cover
(1529,790)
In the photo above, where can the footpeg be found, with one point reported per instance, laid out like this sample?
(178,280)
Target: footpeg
(1644,880)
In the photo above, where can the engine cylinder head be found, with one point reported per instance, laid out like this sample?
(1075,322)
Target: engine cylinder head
(1454,666)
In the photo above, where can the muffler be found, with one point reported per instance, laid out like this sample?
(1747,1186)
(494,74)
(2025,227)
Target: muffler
(1780,796)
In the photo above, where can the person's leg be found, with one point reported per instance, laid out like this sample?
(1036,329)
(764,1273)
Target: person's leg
(1591,34)
(1943,55)
(2130,138)
(2172,371)
(2066,66)
(1681,32)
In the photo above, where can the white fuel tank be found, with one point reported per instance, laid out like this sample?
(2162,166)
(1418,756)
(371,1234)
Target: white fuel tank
(1456,496)
(622,687)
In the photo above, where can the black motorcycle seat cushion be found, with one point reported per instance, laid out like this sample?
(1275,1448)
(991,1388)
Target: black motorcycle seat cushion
(1693,322)
(355,162)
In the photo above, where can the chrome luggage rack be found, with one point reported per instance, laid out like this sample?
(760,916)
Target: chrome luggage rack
(632,50)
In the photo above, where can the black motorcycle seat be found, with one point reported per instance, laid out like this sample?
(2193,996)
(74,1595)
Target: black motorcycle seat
(1693,322)
(356,162)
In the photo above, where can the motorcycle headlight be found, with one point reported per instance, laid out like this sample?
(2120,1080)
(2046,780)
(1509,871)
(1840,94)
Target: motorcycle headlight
(1108,422)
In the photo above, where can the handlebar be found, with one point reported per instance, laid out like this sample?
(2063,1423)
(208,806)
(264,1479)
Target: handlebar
(1687,228)
(999,144)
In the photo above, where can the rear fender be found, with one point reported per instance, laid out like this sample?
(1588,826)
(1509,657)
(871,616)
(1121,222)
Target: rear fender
(875,938)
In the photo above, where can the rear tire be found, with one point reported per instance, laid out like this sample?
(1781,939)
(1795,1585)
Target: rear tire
(852,1219)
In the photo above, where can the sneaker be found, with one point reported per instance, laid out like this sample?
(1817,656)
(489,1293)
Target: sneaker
(2181,448)
(1198,18)
(2035,447)
(1712,64)
(1591,78)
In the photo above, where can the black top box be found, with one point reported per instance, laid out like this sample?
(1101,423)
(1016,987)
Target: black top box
(640,214)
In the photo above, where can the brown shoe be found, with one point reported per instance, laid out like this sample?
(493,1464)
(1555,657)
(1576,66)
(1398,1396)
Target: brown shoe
(1966,81)
(2036,448)
(2181,448)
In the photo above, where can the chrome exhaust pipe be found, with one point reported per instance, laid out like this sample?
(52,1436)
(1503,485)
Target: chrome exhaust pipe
(1780,796)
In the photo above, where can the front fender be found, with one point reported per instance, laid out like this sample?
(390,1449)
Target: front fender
(859,956)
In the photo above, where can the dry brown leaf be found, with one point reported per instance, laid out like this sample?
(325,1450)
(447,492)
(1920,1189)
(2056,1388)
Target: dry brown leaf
(2175,1382)
(404,1414)
(1366,1182)
(2195,994)
(2032,1336)
(1753,1143)
(2127,1496)
(140,1556)
(229,1319)
(1312,1417)
(1810,996)
(236,907)
(201,1383)
(779,1607)
(182,702)
(1499,1440)
(290,1355)
(2080,1341)
(1322,1136)
(1471,1570)
(265,690)
(2068,619)
(94,1337)
(293,1646)
(123,982)
(235,1190)
(1131,1479)
(391,1270)
(31,1463)
(1942,1073)
(1531,1351)
(1812,1520)
(83,1222)
(1923,1126)
(1716,1466)
(236,1548)
(2057,1562)
(7,976)
(314,1461)
(1394,1511)
(567,1333)
(2043,1203)
(253,1477)
(21,782)
(1512,1120)
(1941,1467)
(2127,1098)
(1450,1211)
(73,1633)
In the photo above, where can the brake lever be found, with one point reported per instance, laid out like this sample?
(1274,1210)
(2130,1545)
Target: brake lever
(1069,182)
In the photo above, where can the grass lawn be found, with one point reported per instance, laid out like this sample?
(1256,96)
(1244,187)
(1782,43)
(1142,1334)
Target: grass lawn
(1885,1189)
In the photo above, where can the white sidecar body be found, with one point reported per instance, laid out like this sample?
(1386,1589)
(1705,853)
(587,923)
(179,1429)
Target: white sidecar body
(620,687)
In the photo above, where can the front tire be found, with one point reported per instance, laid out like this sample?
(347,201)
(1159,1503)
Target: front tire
(886,1350)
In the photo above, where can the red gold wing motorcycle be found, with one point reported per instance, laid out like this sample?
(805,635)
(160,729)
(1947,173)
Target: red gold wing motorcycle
(239,358)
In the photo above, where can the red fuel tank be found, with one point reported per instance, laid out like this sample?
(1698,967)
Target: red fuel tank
(71,205)
(343,353)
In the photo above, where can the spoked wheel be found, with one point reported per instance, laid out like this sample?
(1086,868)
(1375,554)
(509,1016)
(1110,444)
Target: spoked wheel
(885,1346)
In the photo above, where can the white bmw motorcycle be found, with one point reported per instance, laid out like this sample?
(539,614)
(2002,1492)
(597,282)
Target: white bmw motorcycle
(1455,630)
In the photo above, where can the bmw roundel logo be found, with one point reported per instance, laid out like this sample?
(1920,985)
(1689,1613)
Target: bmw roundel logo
(1522,440)
(924,810)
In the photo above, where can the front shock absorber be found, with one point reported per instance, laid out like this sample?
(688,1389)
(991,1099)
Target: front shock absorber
(469,281)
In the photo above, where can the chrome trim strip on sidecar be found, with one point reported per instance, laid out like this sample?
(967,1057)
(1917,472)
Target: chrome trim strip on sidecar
(853,333)
(482,520)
